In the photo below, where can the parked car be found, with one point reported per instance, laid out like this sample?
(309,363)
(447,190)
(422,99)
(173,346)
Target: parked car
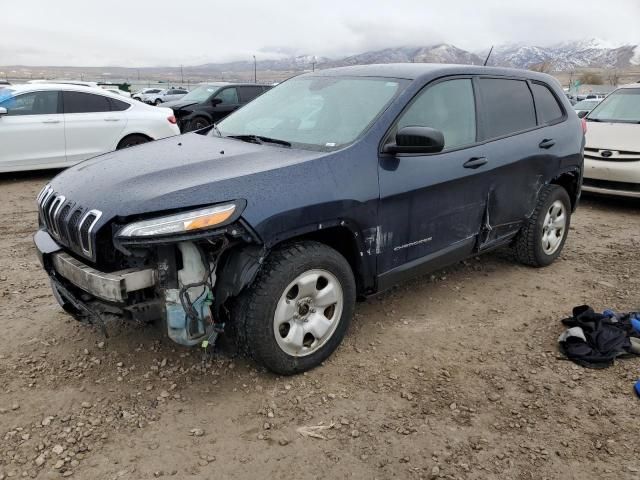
(167,95)
(58,125)
(116,90)
(331,186)
(211,102)
(145,91)
(612,153)
(585,106)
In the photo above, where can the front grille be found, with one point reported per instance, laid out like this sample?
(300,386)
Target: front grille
(609,185)
(605,155)
(69,223)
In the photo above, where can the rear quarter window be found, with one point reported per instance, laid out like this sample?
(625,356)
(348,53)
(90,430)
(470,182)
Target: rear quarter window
(547,106)
(507,107)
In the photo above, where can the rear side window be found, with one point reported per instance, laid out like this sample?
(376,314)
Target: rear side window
(548,108)
(507,106)
(446,106)
(80,102)
(118,105)
(33,103)
(248,93)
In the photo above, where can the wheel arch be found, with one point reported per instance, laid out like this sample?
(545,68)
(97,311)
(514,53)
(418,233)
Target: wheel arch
(241,263)
(571,181)
(133,134)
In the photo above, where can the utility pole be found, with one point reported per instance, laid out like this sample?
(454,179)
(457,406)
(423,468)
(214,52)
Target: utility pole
(313,64)
(181,75)
(255,70)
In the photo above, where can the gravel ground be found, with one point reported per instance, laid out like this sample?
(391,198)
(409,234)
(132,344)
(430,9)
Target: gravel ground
(456,375)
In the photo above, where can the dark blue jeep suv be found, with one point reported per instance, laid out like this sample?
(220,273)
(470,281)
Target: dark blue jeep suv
(332,186)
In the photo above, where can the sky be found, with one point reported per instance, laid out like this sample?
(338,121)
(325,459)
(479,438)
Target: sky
(143,33)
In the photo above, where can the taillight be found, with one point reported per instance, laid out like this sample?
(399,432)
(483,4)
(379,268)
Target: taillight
(584,125)
(172,119)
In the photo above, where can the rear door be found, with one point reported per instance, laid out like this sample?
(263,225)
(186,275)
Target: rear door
(431,206)
(522,149)
(91,127)
(32,132)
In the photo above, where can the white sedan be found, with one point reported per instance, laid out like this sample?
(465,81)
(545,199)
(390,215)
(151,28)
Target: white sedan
(56,126)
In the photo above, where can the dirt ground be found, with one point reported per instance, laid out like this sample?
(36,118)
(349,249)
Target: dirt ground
(456,375)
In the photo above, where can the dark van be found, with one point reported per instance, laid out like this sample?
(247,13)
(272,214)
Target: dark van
(330,187)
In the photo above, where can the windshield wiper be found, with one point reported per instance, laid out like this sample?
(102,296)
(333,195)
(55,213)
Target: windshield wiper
(259,139)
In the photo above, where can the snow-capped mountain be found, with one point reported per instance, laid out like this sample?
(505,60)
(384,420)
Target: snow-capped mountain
(441,53)
(566,56)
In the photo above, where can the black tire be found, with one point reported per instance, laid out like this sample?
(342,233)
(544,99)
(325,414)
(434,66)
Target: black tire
(256,307)
(529,244)
(157,102)
(132,140)
(197,123)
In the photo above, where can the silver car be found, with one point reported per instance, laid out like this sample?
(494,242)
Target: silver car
(167,95)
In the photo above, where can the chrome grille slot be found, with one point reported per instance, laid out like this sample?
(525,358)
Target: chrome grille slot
(70,224)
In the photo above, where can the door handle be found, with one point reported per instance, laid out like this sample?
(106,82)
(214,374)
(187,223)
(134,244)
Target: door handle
(111,119)
(547,143)
(51,121)
(475,162)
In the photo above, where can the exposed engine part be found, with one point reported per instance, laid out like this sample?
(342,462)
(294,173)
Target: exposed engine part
(188,307)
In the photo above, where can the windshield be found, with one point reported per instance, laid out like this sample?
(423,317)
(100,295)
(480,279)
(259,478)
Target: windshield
(586,104)
(200,94)
(621,106)
(316,112)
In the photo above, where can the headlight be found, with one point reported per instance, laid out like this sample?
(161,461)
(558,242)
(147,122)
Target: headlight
(180,222)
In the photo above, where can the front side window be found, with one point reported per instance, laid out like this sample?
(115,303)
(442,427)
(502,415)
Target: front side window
(32,103)
(622,106)
(82,102)
(447,106)
(229,96)
(507,106)
(315,112)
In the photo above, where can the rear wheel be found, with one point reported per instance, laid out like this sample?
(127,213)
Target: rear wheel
(298,309)
(132,140)
(542,238)
(157,102)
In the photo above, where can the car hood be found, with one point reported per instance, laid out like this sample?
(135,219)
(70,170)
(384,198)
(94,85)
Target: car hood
(178,173)
(178,104)
(613,136)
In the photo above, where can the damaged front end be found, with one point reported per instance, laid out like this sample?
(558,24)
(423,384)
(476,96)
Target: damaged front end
(179,269)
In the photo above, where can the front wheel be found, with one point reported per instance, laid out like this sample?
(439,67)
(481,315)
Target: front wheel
(543,236)
(197,124)
(157,102)
(298,309)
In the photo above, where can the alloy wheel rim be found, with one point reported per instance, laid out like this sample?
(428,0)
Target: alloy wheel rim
(308,312)
(554,227)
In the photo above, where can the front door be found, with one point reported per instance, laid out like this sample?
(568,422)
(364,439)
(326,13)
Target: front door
(32,132)
(432,206)
(228,102)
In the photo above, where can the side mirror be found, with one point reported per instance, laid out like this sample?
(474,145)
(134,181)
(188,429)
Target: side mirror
(416,140)
(3,111)
(216,101)
(582,113)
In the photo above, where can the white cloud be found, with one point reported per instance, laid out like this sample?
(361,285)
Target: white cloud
(159,32)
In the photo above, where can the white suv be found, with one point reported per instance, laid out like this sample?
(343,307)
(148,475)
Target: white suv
(612,152)
(57,125)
